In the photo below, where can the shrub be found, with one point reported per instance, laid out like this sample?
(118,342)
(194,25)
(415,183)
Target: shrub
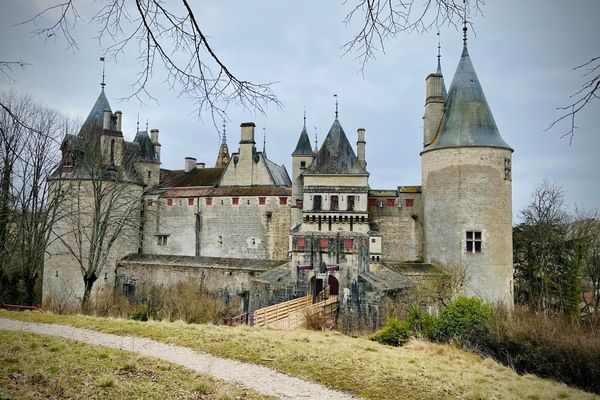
(464,320)
(140,313)
(421,322)
(394,333)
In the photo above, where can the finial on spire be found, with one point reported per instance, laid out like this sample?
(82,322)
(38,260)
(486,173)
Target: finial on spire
(336,105)
(465,23)
(146,124)
(264,141)
(316,140)
(137,128)
(439,55)
(102,84)
(304,117)
(224,138)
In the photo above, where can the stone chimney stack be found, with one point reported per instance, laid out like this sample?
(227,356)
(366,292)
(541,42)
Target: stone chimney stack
(360,146)
(154,140)
(106,120)
(190,164)
(247,143)
(200,165)
(119,116)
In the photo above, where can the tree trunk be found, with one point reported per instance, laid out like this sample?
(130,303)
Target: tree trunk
(85,302)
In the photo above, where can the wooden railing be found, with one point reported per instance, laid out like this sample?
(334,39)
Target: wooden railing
(291,310)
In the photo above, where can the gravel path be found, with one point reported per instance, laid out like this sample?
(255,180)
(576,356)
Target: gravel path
(261,379)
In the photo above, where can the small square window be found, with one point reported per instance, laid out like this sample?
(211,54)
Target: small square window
(209,201)
(191,201)
(302,164)
(149,203)
(507,169)
(324,243)
(262,201)
(373,240)
(299,204)
(282,201)
(235,201)
(162,240)
(473,242)
(391,202)
(409,202)
(169,202)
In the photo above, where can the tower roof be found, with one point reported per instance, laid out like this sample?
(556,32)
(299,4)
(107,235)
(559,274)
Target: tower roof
(468,120)
(336,155)
(303,148)
(147,152)
(96,115)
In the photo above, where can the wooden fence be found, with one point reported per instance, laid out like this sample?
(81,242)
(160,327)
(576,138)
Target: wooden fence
(270,316)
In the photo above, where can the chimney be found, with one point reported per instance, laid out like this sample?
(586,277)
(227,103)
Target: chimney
(190,164)
(360,146)
(106,119)
(247,133)
(154,136)
(119,115)
(434,106)
(200,165)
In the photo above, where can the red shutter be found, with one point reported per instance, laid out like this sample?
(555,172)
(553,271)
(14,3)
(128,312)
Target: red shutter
(235,201)
(191,201)
(409,202)
(209,201)
(169,202)
(282,201)
(391,202)
(348,244)
(300,242)
(324,243)
(373,202)
(262,200)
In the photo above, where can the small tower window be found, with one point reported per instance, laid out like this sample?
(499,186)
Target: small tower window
(335,203)
(507,169)
(317,203)
(473,240)
(162,240)
(302,164)
(350,202)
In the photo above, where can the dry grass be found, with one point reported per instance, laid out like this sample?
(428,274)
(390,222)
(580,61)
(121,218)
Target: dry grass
(38,366)
(419,370)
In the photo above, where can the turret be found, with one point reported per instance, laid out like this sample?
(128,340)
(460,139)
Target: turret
(155,142)
(467,191)
(435,96)
(302,157)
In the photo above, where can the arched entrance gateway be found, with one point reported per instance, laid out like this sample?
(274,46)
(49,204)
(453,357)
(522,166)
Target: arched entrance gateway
(317,284)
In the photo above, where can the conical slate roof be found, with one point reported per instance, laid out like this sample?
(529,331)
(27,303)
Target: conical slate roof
(336,155)
(303,148)
(96,115)
(147,152)
(468,120)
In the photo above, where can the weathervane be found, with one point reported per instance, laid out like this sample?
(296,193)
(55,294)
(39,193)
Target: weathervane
(336,105)
(465,23)
(102,84)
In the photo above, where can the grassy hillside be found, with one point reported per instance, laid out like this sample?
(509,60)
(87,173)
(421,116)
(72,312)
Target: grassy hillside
(38,366)
(419,370)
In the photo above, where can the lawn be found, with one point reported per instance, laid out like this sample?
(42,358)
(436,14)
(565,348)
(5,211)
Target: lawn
(419,370)
(39,366)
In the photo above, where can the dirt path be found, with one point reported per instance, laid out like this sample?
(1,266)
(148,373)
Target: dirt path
(261,379)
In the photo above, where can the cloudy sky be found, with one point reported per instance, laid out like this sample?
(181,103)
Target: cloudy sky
(523,52)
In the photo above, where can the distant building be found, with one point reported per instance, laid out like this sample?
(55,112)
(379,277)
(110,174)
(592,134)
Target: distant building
(244,228)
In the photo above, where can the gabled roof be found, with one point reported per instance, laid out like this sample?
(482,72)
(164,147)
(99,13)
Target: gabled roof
(303,148)
(146,152)
(198,177)
(96,115)
(278,173)
(336,155)
(468,120)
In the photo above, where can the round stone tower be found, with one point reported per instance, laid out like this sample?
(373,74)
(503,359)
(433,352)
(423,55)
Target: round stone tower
(467,191)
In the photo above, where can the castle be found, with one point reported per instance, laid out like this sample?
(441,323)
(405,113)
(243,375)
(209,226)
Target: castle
(245,228)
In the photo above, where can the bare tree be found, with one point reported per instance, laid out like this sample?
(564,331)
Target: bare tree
(29,135)
(168,35)
(102,206)
(586,230)
(582,98)
(382,20)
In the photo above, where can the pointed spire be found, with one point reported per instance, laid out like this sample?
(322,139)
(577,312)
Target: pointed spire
(223,154)
(303,148)
(264,141)
(224,137)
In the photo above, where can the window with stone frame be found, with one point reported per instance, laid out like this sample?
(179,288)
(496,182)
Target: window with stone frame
(209,201)
(334,203)
(262,201)
(507,169)
(409,202)
(350,203)
(235,201)
(282,201)
(474,242)
(161,240)
(317,200)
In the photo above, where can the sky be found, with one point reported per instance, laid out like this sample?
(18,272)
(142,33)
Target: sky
(523,52)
